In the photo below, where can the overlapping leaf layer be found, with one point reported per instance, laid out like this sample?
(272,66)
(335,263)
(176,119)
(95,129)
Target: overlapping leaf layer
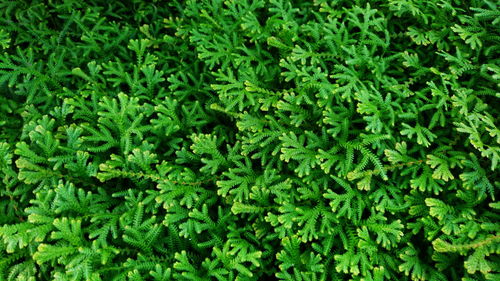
(249,140)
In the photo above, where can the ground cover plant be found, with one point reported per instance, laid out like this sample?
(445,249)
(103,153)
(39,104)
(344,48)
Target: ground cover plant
(249,140)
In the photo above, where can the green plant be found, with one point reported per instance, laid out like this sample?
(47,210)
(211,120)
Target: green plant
(249,140)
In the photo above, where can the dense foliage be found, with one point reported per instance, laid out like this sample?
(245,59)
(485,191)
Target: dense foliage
(249,140)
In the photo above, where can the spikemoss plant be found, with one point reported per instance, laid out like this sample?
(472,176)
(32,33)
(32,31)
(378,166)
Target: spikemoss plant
(249,140)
